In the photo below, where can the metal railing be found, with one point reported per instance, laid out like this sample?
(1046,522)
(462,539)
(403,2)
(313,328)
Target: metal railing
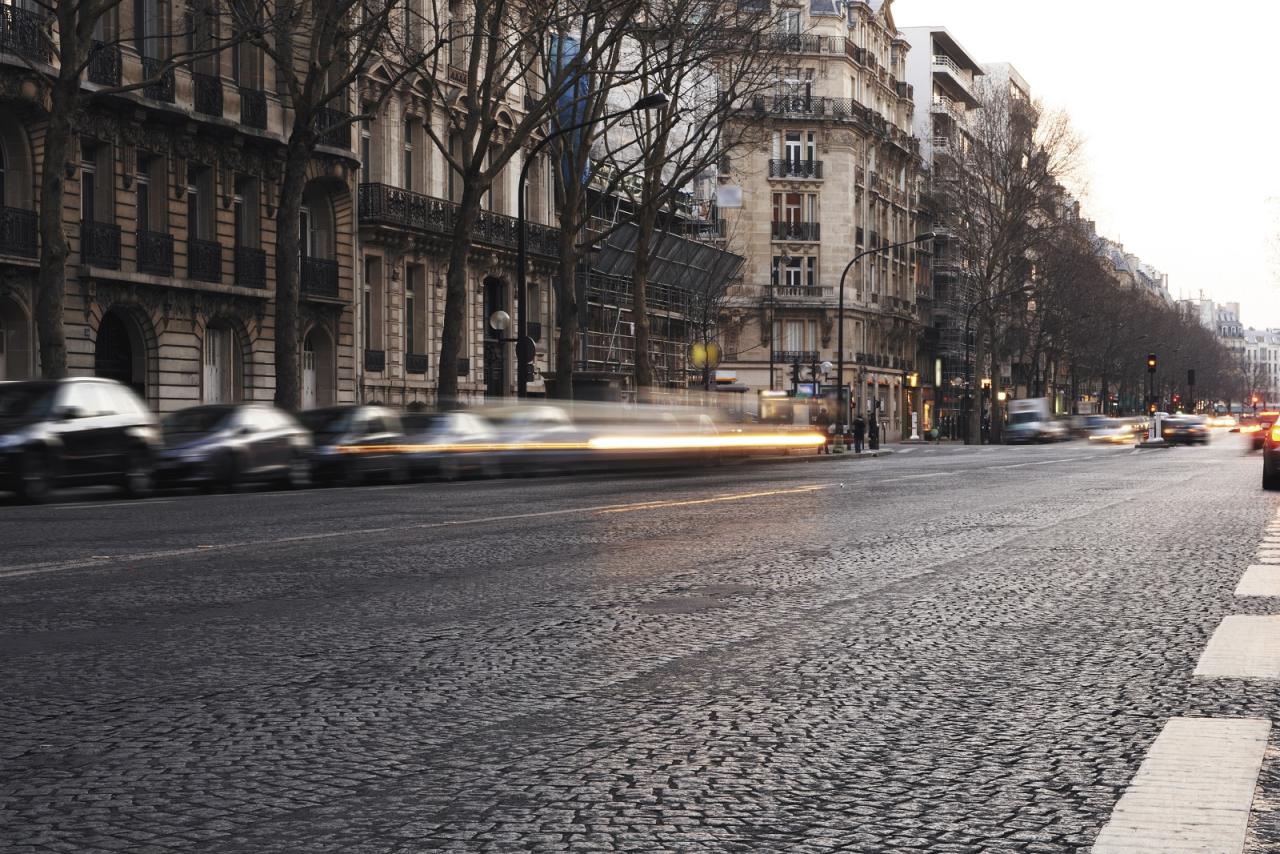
(250,267)
(795,168)
(797,231)
(944,61)
(386,205)
(22,33)
(789,292)
(204,260)
(375,360)
(804,357)
(100,244)
(155,253)
(415,363)
(104,64)
(207,93)
(319,277)
(253,108)
(161,87)
(333,127)
(18,232)
(811,107)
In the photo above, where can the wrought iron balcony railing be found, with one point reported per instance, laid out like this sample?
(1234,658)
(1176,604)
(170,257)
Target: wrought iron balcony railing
(162,85)
(207,93)
(319,277)
(381,204)
(204,260)
(415,363)
(333,127)
(804,357)
(18,232)
(251,267)
(155,253)
(21,33)
(104,64)
(253,108)
(375,360)
(797,231)
(795,168)
(100,244)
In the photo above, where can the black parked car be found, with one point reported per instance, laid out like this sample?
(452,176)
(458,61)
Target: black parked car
(355,443)
(449,444)
(82,430)
(1185,430)
(225,445)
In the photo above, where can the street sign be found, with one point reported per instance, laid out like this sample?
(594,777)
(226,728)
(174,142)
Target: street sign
(525,349)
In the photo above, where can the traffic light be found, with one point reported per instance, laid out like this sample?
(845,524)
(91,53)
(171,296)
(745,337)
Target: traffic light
(1151,363)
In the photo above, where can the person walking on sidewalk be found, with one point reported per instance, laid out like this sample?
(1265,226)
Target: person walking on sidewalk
(859,431)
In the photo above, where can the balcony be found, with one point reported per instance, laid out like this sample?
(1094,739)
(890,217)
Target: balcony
(415,363)
(104,64)
(905,90)
(204,260)
(207,93)
(251,267)
(464,367)
(375,361)
(804,357)
(21,33)
(155,253)
(18,232)
(333,127)
(161,86)
(795,168)
(801,293)
(952,75)
(253,108)
(809,107)
(319,277)
(384,205)
(100,244)
(796,231)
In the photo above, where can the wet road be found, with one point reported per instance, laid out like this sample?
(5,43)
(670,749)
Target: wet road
(945,649)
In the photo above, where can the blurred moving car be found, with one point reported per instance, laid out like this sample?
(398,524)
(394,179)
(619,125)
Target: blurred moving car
(1271,457)
(538,438)
(1185,430)
(1266,420)
(83,430)
(1031,420)
(449,444)
(225,445)
(354,443)
(1222,421)
(1113,431)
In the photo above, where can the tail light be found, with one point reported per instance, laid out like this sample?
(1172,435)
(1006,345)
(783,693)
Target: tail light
(1275,433)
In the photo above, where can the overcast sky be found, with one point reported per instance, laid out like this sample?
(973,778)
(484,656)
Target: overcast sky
(1181,127)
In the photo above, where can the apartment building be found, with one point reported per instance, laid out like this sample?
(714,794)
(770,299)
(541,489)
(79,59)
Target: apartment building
(837,175)
(169,210)
(945,75)
(1262,364)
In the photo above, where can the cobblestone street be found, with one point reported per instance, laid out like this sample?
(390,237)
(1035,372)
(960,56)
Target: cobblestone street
(947,649)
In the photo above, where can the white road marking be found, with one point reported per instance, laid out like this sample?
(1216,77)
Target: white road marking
(1043,462)
(1243,647)
(111,504)
(1194,790)
(1260,580)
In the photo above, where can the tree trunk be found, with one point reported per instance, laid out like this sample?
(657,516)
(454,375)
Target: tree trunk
(566,316)
(643,371)
(973,433)
(289,275)
(455,303)
(52,280)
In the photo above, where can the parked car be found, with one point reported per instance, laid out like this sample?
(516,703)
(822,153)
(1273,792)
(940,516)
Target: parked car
(225,445)
(83,430)
(1271,457)
(354,443)
(449,444)
(1185,430)
(1266,420)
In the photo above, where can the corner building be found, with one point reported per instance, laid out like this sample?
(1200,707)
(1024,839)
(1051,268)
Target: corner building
(839,173)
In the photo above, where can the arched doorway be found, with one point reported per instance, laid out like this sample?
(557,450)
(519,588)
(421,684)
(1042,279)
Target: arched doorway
(16,357)
(120,352)
(318,380)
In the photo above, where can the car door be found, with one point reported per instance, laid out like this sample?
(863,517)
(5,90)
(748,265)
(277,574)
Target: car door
(275,447)
(82,431)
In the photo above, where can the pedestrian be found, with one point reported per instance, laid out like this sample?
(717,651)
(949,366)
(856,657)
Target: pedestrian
(823,423)
(859,431)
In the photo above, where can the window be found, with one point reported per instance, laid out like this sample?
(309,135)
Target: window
(415,333)
(408,176)
(146,216)
(88,184)
(245,210)
(366,143)
(372,313)
(799,146)
(204,35)
(200,207)
(150,33)
(795,207)
(222,365)
(789,21)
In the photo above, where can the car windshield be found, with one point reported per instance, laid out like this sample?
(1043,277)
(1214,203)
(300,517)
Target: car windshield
(26,400)
(1023,418)
(423,422)
(326,423)
(197,420)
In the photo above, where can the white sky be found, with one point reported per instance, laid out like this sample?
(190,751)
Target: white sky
(1181,131)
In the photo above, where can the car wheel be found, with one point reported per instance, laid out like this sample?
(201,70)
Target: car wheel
(138,478)
(1271,479)
(34,477)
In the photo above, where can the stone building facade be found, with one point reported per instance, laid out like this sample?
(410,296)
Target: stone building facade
(838,174)
(169,212)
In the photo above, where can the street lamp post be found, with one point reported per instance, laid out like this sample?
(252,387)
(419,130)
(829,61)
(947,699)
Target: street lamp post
(649,102)
(841,425)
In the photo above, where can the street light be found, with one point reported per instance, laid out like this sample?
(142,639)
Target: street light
(841,425)
(650,102)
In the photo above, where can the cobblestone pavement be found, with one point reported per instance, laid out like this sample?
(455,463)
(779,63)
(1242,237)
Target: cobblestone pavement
(944,650)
